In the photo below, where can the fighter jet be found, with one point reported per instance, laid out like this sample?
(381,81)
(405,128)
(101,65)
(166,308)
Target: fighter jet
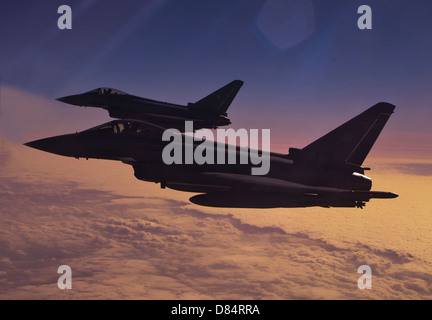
(209,112)
(327,173)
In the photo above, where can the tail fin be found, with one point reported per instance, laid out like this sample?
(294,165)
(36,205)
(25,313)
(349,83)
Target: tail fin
(218,101)
(352,141)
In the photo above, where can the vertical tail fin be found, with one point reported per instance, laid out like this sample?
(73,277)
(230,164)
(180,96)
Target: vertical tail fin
(352,141)
(219,101)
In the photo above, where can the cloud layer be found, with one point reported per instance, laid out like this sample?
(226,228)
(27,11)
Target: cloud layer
(127,239)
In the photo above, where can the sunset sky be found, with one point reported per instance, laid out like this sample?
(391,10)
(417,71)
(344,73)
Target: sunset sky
(306,68)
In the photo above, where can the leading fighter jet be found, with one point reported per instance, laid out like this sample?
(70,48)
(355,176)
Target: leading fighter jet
(209,112)
(328,172)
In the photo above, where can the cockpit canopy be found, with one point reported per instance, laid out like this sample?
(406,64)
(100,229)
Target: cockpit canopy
(126,127)
(107,91)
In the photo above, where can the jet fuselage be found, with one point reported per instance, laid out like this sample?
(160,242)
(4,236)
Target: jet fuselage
(209,112)
(143,151)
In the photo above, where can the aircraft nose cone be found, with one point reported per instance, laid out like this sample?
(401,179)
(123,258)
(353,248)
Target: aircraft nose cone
(63,99)
(62,145)
(35,144)
(74,99)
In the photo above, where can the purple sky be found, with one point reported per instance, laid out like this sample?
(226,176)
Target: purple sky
(297,58)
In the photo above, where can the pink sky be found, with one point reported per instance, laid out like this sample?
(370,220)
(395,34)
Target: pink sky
(128,239)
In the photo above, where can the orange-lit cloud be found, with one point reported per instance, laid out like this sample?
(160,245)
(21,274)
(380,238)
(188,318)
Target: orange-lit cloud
(128,239)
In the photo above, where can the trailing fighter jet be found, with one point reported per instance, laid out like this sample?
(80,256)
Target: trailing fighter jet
(328,172)
(209,112)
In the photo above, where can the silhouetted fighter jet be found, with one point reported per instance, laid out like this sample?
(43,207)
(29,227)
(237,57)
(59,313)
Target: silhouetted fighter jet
(327,173)
(209,112)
